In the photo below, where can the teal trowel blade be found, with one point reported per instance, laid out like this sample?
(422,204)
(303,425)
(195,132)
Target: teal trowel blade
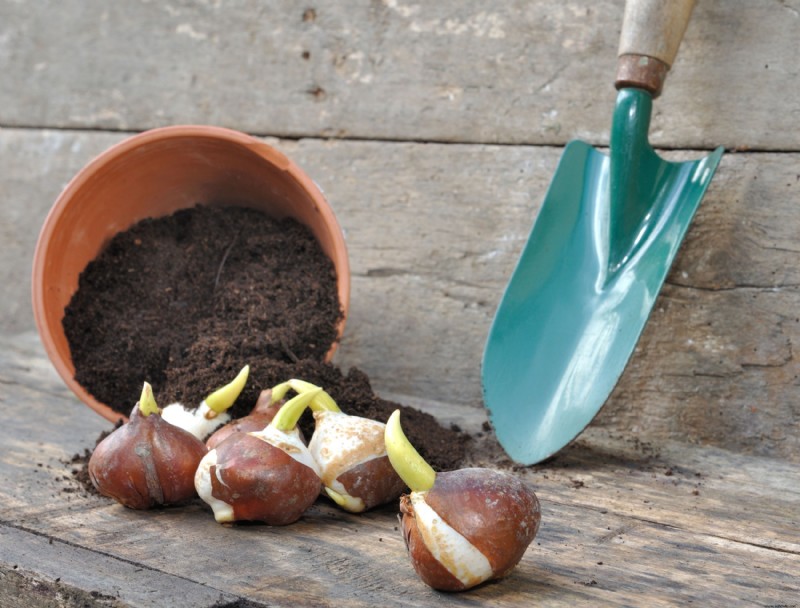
(578,300)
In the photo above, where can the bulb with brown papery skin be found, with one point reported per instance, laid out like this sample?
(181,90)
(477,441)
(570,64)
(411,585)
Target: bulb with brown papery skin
(472,526)
(463,527)
(355,469)
(267,476)
(147,462)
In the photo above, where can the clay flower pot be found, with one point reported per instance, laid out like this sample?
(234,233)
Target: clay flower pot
(154,174)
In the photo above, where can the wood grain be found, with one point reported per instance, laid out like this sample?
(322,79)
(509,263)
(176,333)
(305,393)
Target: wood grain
(43,571)
(624,523)
(516,72)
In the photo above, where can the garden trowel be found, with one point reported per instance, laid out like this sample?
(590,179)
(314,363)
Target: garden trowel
(600,249)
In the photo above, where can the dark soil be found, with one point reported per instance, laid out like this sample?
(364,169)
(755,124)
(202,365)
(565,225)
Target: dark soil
(189,289)
(186,301)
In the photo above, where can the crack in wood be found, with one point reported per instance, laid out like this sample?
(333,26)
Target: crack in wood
(726,288)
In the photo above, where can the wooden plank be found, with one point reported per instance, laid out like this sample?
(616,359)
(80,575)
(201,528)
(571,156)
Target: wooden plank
(433,233)
(517,72)
(38,572)
(617,530)
(708,371)
(717,490)
(38,164)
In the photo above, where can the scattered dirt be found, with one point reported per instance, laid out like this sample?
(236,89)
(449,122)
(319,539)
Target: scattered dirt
(186,301)
(79,465)
(26,589)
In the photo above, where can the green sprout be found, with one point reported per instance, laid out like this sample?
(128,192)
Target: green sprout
(418,475)
(147,402)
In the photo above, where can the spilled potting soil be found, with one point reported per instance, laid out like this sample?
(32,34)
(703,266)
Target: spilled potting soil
(186,301)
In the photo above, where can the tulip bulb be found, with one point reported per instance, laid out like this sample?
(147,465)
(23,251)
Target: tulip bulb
(146,462)
(465,527)
(351,454)
(267,476)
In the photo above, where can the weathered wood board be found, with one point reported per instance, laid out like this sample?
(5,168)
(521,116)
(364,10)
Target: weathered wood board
(434,231)
(624,524)
(434,129)
(513,72)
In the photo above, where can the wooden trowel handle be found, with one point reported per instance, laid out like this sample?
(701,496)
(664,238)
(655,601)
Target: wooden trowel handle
(652,31)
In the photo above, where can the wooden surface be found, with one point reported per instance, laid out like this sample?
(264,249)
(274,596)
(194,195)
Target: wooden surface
(513,72)
(624,524)
(434,129)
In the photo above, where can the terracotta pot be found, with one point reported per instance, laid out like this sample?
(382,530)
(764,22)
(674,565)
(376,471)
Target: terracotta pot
(154,174)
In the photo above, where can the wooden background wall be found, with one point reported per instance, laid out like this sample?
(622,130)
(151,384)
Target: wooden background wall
(434,130)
